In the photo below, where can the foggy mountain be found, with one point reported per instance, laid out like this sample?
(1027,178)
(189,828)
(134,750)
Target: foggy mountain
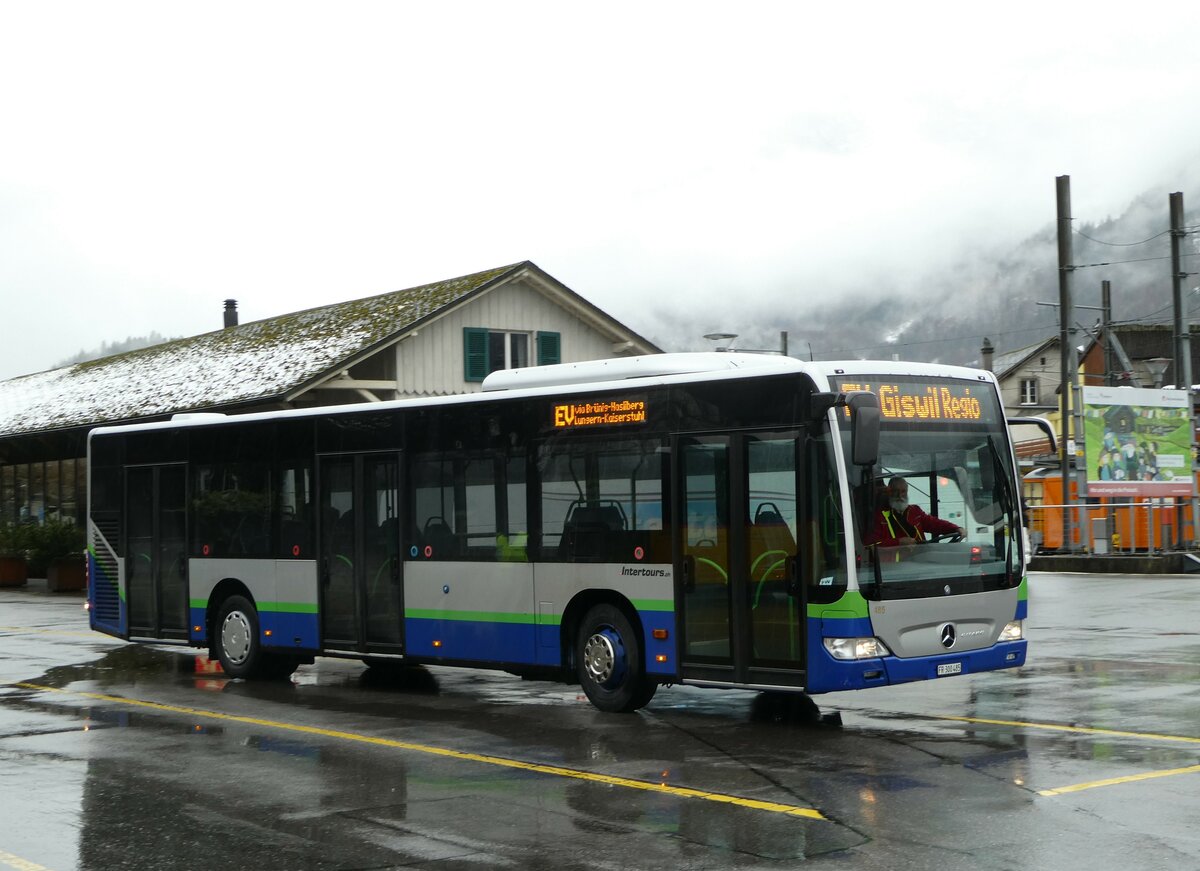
(107,349)
(944,316)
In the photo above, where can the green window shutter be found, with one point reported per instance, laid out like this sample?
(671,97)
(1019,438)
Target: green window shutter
(475,357)
(549,348)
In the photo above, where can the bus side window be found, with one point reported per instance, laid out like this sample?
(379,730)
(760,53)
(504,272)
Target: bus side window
(602,500)
(823,564)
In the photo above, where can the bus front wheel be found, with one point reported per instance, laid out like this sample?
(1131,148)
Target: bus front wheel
(239,648)
(608,658)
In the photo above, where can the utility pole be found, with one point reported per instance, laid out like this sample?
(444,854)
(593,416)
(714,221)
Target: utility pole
(1106,330)
(1183,339)
(1066,352)
(1183,327)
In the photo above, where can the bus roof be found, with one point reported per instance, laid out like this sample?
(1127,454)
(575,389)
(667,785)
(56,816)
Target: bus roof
(650,369)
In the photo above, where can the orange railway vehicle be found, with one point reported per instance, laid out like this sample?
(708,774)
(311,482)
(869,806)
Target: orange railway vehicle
(1129,522)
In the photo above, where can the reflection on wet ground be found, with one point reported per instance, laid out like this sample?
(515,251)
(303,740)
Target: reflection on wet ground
(593,809)
(337,768)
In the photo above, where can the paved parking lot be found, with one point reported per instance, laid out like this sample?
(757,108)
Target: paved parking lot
(120,755)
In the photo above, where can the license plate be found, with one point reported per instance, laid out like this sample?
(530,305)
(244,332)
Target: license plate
(949,668)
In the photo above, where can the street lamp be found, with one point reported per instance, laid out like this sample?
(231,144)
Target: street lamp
(722,337)
(1157,367)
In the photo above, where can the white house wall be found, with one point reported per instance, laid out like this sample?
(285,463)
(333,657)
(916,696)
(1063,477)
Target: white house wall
(431,362)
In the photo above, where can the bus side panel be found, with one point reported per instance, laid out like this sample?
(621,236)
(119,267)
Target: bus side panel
(469,611)
(512,612)
(284,592)
(649,588)
(291,617)
(106,594)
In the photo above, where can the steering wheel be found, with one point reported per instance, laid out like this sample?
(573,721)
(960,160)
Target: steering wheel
(947,536)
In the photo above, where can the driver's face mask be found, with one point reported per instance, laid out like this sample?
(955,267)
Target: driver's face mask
(899,503)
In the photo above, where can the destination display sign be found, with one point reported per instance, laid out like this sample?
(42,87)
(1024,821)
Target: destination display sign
(599,412)
(933,400)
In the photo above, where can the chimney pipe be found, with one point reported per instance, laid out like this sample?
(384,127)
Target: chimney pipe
(985,354)
(231,319)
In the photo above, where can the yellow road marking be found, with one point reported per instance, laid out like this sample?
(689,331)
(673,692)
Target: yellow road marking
(555,770)
(1088,730)
(1113,781)
(20,864)
(1083,730)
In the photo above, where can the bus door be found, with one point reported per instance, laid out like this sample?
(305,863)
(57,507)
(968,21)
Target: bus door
(156,566)
(362,605)
(735,523)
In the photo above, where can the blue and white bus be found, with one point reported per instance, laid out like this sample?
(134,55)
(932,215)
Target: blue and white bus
(627,523)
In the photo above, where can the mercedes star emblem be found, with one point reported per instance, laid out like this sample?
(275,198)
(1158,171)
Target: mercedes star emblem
(948,635)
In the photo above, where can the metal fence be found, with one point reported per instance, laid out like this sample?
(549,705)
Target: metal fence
(1145,526)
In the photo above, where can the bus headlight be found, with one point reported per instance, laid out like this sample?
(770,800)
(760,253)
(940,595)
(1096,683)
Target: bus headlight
(856,648)
(1014,631)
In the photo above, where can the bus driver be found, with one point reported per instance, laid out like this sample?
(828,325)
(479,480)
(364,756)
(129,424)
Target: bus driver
(899,523)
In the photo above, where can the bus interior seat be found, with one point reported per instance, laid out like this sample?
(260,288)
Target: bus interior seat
(587,530)
(388,534)
(438,535)
(293,538)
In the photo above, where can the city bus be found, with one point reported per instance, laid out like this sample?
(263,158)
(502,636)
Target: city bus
(623,524)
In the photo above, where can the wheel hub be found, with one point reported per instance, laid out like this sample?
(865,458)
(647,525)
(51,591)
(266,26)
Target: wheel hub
(604,657)
(235,637)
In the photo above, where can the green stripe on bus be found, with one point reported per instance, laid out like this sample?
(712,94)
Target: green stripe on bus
(850,605)
(274,607)
(289,607)
(477,616)
(654,604)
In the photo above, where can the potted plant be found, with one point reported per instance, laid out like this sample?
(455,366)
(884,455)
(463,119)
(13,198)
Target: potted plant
(14,566)
(56,553)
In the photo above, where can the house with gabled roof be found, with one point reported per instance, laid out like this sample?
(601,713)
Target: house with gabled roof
(435,339)
(1029,378)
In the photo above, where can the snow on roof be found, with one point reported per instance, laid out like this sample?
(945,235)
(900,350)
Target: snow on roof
(252,362)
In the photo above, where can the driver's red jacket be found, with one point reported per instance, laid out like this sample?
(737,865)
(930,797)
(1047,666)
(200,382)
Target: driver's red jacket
(914,523)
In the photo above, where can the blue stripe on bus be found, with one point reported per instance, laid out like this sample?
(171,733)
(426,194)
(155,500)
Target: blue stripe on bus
(1009,654)
(293,631)
(476,640)
(854,627)
(522,643)
(288,629)
(1022,610)
(652,620)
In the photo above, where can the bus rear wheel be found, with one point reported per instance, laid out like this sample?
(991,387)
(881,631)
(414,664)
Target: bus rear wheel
(608,657)
(239,648)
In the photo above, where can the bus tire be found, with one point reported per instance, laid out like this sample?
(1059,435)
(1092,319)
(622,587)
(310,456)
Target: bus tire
(237,642)
(608,658)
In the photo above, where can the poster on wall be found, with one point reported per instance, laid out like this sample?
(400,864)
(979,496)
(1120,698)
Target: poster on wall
(1138,442)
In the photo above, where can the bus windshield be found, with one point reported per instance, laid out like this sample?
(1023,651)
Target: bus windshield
(945,442)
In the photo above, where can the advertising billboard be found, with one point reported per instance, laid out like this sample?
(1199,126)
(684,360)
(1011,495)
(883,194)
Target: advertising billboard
(1138,442)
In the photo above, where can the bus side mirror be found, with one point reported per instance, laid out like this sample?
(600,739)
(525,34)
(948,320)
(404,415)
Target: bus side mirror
(864,427)
(864,421)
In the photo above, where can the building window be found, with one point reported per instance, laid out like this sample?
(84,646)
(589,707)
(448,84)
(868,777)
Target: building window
(507,351)
(1029,392)
(486,351)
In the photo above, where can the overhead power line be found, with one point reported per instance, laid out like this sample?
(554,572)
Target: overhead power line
(1131,244)
(1121,244)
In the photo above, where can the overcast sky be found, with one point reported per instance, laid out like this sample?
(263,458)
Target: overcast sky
(158,158)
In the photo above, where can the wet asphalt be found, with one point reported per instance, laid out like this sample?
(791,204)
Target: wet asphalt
(116,755)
